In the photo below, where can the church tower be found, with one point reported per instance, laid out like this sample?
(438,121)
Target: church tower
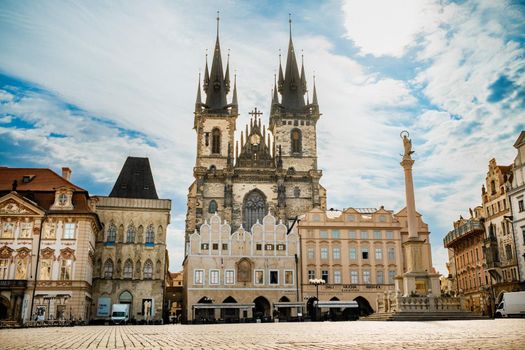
(293,122)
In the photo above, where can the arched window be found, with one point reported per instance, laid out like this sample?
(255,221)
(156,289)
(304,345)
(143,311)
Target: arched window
(212,209)
(128,269)
(254,209)
(112,233)
(493,187)
(148,270)
(108,269)
(216,141)
(296,140)
(130,236)
(150,235)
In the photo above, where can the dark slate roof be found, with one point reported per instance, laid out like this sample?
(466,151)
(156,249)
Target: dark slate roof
(135,180)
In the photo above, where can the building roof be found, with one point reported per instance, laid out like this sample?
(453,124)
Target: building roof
(135,180)
(33,179)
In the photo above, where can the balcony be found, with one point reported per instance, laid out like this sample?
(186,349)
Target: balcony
(470,226)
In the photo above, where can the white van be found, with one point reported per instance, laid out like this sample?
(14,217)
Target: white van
(512,304)
(120,313)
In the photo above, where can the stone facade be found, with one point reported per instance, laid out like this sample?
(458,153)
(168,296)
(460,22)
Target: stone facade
(131,256)
(467,260)
(500,247)
(47,242)
(263,172)
(241,276)
(517,205)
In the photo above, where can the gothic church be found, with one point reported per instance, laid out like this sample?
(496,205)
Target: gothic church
(268,171)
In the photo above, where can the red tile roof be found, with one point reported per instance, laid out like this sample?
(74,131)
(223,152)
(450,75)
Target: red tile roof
(40,180)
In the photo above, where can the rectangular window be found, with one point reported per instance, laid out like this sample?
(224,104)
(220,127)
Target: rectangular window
(311,274)
(366,277)
(324,253)
(389,235)
(288,277)
(364,234)
(523,234)
(336,253)
(268,247)
(198,277)
(391,276)
(4,269)
(336,234)
(350,218)
(66,269)
(311,253)
(352,253)
(379,254)
(69,230)
(225,246)
(377,234)
(323,234)
(214,276)
(337,277)
(215,246)
(204,246)
(259,276)
(281,247)
(521,207)
(391,254)
(364,253)
(354,277)
(508,251)
(229,277)
(380,278)
(274,277)
(324,276)
(258,246)
(351,234)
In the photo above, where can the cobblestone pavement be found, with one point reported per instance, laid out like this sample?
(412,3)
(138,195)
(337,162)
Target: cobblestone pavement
(484,334)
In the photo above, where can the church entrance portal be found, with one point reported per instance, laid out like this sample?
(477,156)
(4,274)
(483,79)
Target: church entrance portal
(262,308)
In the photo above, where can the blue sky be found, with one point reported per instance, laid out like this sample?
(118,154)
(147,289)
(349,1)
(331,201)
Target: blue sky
(85,84)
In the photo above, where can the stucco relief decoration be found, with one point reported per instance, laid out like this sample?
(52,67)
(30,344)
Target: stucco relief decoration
(13,208)
(67,253)
(48,253)
(244,270)
(5,252)
(23,252)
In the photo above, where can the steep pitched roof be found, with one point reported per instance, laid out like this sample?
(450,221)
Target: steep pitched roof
(33,179)
(135,180)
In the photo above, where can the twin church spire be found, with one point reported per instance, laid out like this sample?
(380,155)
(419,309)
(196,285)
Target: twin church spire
(291,84)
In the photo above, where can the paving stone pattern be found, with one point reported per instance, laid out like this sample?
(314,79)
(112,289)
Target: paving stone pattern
(480,334)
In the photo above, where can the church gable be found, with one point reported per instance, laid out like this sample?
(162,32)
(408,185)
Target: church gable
(255,150)
(13,204)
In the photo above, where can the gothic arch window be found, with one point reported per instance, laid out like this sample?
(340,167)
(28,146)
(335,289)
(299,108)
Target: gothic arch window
(296,141)
(150,235)
(254,208)
(148,270)
(108,269)
(130,236)
(212,209)
(128,269)
(216,141)
(112,233)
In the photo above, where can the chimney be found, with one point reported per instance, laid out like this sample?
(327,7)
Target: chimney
(66,173)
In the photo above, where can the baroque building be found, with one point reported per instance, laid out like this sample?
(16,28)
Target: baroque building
(517,206)
(242,276)
(47,243)
(268,171)
(131,256)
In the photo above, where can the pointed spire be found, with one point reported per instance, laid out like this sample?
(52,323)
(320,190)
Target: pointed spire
(292,89)
(227,74)
(234,99)
(275,97)
(206,74)
(314,96)
(198,100)
(303,76)
(281,75)
(217,87)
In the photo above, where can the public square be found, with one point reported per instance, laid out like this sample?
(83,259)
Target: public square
(482,334)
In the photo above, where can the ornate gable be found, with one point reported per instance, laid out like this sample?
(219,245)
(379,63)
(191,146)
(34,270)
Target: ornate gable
(5,252)
(23,252)
(67,253)
(13,204)
(255,151)
(48,253)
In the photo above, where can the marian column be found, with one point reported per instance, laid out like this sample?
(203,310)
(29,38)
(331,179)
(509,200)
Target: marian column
(407,163)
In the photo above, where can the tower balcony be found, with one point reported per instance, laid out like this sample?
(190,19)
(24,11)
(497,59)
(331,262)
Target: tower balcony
(467,228)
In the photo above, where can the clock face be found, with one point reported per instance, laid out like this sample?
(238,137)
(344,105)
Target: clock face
(62,199)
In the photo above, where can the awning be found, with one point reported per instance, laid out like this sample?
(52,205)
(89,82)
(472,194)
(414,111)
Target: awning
(337,304)
(223,306)
(285,304)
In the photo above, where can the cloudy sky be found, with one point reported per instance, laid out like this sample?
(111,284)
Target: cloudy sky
(85,84)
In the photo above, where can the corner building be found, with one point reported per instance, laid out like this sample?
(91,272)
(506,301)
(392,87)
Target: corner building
(131,255)
(266,172)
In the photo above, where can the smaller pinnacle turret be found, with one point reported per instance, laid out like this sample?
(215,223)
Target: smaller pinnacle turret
(198,100)
(234,99)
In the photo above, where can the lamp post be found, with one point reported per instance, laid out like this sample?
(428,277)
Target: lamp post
(316,282)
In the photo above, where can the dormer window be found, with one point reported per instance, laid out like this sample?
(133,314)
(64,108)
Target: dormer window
(62,199)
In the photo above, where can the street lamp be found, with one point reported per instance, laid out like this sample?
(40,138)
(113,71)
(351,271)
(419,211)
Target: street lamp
(316,282)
